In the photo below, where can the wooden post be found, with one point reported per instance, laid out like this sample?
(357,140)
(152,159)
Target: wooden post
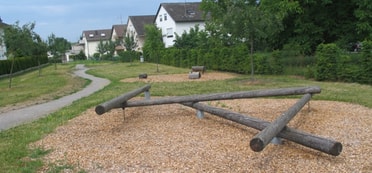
(194,75)
(306,139)
(198,69)
(224,96)
(119,101)
(259,142)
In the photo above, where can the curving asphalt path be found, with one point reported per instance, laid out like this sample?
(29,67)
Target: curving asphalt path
(20,116)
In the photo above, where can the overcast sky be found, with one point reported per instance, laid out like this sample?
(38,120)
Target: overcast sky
(68,18)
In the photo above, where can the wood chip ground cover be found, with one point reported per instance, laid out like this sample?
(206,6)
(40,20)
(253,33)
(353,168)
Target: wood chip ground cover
(170,138)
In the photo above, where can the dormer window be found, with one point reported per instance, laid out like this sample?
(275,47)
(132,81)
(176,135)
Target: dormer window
(91,35)
(103,34)
(190,12)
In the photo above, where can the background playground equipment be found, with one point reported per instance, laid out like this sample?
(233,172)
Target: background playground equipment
(269,131)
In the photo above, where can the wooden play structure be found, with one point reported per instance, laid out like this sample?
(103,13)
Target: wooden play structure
(277,129)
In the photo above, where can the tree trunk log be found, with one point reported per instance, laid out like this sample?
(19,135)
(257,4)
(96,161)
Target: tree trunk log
(259,142)
(306,139)
(224,96)
(119,101)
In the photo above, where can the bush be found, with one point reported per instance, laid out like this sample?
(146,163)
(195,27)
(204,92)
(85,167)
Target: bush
(326,62)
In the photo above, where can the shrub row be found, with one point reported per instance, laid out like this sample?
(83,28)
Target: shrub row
(333,65)
(21,63)
(232,59)
(329,64)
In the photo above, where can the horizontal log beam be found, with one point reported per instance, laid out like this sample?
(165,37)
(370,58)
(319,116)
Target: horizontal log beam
(259,141)
(118,102)
(306,139)
(225,96)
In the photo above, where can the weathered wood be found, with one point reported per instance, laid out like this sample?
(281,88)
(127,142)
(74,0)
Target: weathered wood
(325,145)
(142,76)
(120,100)
(224,96)
(198,69)
(194,75)
(259,141)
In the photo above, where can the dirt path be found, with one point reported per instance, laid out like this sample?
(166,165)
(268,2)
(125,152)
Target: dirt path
(16,117)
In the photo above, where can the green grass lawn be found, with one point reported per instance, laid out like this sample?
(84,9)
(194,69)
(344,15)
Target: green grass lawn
(16,156)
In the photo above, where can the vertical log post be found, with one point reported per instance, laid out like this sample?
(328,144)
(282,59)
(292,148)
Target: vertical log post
(259,142)
(118,102)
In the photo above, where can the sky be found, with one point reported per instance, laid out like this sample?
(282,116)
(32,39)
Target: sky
(69,18)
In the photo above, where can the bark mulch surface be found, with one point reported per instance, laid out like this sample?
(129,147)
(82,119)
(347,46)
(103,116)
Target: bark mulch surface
(170,138)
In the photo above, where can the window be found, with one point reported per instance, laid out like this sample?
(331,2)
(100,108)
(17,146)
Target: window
(165,16)
(161,18)
(91,35)
(169,32)
(103,34)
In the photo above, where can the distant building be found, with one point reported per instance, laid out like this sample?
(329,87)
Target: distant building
(117,35)
(2,44)
(136,28)
(91,39)
(178,18)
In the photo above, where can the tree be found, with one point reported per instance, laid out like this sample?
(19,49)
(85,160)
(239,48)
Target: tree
(101,48)
(57,46)
(246,21)
(23,42)
(130,44)
(153,43)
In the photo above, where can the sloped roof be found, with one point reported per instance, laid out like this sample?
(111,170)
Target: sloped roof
(119,29)
(184,12)
(97,35)
(139,23)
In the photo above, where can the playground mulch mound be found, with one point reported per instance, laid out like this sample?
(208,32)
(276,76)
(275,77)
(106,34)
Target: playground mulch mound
(170,138)
(183,77)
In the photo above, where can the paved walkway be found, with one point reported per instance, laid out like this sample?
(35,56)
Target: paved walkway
(20,116)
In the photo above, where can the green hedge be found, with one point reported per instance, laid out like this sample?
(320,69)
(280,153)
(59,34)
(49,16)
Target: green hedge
(231,59)
(21,63)
(333,65)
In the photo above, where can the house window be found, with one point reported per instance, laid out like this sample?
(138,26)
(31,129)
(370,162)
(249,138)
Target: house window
(103,34)
(165,16)
(169,32)
(91,35)
(161,18)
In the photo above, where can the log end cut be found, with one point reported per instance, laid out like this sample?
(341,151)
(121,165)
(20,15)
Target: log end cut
(336,149)
(257,144)
(100,110)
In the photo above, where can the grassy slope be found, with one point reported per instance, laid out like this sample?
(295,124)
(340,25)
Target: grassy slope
(14,143)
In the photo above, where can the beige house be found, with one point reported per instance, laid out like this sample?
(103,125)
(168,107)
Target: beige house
(92,38)
(136,28)
(117,35)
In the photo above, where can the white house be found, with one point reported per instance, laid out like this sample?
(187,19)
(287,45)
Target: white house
(92,38)
(2,44)
(178,18)
(136,28)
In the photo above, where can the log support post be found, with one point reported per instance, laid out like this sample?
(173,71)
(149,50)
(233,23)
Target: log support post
(200,114)
(147,95)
